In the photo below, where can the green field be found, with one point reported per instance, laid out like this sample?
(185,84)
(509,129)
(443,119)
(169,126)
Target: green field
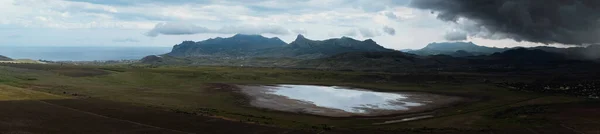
(205,92)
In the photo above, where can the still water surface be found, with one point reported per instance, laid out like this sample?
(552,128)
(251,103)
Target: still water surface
(349,100)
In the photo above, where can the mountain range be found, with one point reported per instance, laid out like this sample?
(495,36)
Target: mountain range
(238,45)
(458,49)
(245,46)
(350,54)
(465,49)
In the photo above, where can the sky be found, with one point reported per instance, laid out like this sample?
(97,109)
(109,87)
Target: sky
(396,24)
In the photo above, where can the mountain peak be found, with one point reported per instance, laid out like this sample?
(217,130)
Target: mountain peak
(369,41)
(301,38)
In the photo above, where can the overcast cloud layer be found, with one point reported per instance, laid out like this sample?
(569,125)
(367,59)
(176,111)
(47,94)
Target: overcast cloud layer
(575,22)
(396,24)
(176,28)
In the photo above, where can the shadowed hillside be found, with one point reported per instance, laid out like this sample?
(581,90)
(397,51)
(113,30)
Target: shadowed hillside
(368,61)
(238,45)
(4,58)
(466,49)
(457,49)
(243,46)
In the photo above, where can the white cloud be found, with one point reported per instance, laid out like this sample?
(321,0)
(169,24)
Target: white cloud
(350,33)
(368,33)
(299,31)
(183,28)
(254,29)
(201,19)
(177,28)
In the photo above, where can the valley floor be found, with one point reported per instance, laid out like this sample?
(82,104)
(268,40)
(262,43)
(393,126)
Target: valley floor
(46,98)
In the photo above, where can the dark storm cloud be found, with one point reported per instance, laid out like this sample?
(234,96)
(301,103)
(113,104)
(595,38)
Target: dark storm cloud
(573,22)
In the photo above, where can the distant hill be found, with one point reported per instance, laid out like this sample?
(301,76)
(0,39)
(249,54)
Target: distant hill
(591,52)
(4,58)
(465,49)
(151,59)
(520,59)
(244,46)
(354,55)
(238,45)
(528,54)
(458,49)
(380,61)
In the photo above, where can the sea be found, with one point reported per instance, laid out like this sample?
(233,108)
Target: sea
(81,53)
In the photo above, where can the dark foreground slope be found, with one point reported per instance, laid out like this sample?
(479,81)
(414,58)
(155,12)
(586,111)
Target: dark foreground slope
(132,99)
(101,116)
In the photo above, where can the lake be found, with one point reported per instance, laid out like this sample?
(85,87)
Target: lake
(81,53)
(341,101)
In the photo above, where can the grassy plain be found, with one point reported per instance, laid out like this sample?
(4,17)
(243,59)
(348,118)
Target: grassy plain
(205,92)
